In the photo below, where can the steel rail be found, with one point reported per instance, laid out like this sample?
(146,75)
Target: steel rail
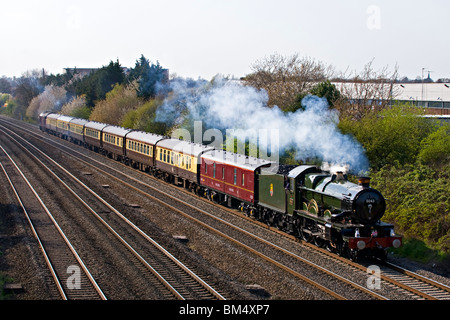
(60,231)
(153,242)
(33,229)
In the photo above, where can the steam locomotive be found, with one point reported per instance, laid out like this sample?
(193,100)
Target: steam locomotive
(328,210)
(316,206)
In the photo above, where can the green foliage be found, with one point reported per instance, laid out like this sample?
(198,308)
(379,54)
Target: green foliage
(390,137)
(82,112)
(435,149)
(96,85)
(143,118)
(148,75)
(418,250)
(323,89)
(118,102)
(9,108)
(418,201)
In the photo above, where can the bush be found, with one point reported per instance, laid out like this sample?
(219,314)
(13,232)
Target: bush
(392,136)
(143,118)
(435,149)
(418,202)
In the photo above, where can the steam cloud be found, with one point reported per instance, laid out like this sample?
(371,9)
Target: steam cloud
(225,105)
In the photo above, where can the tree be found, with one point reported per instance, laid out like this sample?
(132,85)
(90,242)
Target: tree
(76,107)
(143,118)
(148,76)
(367,91)
(323,89)
(98,83)
(5,85)
(118,102)
(51,99)
(284,77)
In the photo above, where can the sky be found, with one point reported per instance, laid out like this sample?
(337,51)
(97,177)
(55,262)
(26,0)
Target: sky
(202,38)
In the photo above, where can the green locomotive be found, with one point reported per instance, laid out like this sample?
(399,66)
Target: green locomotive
(325,209)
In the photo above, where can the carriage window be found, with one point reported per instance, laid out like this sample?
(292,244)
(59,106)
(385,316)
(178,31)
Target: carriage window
(206,167)
(214,171)
(223,173)
(235,176)
(242,179)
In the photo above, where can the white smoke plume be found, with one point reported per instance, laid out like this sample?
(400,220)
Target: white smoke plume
(223,105)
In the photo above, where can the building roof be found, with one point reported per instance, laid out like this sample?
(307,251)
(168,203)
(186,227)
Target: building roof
(423,92)
(436,92)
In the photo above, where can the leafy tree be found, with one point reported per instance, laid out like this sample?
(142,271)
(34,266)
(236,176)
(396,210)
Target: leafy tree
(59,80)
(323,89)
(96,85)
(143,118)
(148,76)
(118,102)
(76,107)
(5,85)
(328,90)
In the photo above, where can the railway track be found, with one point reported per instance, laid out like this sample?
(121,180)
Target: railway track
(186,210)
(172,273)
(387,277)
(414,285)
(59,254)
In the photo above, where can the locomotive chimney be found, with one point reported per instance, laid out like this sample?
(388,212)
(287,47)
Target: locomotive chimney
(340,176)
(364,182)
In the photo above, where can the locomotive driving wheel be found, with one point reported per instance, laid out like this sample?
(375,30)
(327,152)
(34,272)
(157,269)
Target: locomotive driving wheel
(306,231)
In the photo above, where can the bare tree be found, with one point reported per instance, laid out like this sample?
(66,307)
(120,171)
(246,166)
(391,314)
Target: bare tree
(284,77)
(51,99)
(368,91)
